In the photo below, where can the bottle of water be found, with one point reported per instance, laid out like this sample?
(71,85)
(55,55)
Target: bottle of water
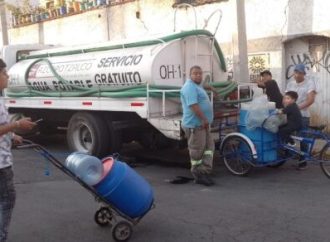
(88,168)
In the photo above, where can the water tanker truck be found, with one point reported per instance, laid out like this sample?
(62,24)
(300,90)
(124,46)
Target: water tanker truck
(111,93)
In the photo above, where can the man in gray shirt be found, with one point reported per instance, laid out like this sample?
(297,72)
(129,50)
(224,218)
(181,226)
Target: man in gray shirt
(306,90)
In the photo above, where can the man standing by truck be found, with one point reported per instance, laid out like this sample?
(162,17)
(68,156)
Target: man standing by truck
(7,190)
(196,120)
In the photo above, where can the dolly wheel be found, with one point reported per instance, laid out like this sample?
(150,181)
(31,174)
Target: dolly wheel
(122,231)
(103,217)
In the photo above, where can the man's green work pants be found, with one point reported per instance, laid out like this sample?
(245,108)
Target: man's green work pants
(201,149)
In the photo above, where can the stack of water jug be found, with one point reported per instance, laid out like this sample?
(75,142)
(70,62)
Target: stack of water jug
(113,180)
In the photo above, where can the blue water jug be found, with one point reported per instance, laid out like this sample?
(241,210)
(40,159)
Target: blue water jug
(88,168)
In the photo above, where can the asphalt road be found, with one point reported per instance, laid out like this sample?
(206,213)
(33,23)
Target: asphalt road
(269,205)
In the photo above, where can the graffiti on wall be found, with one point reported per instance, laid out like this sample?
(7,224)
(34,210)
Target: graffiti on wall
(312,62)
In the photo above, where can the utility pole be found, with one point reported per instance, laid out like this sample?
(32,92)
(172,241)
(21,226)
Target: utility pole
(242,71)
(3,20)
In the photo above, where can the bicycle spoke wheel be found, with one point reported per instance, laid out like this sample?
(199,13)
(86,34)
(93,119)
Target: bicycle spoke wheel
(237,155)
(325,160)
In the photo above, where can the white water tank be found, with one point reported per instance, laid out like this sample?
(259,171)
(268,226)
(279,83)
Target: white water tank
(160,63)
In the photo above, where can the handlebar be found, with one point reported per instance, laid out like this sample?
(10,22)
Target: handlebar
(26,144)
(47,155)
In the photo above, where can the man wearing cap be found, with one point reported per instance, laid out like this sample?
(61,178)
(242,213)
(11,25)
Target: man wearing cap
(270,88)
(306,90)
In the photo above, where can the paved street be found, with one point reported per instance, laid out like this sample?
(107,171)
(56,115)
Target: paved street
(270,205)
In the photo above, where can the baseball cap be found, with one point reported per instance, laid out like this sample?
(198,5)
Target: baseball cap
(300,68)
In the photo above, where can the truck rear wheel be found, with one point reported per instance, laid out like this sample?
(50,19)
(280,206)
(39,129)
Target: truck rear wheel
(88,132)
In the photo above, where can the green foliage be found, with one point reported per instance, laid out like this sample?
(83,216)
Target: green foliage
(14,9)
(25,7)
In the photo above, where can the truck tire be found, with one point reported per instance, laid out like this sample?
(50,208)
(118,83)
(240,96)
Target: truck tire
(88,132)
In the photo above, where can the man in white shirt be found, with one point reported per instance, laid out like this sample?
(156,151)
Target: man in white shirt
(7,189)
(306,90)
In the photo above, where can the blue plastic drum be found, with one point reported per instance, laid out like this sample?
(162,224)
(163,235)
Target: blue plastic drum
(265,142)
(126,190)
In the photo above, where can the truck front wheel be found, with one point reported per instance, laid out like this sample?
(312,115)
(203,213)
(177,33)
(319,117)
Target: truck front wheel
(88,132)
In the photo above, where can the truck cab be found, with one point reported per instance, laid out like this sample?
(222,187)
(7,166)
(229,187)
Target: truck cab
(11,54)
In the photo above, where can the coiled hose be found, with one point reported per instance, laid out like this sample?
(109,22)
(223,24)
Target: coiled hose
(223,89)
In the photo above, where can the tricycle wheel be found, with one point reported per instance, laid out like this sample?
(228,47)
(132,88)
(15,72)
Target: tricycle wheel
(103,217)
(237,155)
(122,231)
(325,160)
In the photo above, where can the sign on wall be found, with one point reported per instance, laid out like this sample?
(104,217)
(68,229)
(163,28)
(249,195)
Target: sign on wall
(257,63)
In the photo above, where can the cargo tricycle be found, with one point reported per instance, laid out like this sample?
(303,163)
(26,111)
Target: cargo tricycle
(243,149)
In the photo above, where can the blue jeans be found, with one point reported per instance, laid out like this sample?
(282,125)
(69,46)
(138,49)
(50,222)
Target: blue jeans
(7,200)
